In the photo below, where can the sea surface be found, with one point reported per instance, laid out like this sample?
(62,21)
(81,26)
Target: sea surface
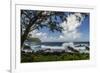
(61,43)
(54,45)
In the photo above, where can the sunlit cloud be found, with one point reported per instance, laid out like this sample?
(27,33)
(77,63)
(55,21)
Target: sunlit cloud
(70,32)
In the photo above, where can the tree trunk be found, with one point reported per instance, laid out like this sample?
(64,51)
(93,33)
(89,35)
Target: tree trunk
(26,32)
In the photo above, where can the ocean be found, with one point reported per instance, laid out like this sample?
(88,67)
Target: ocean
(61,43)
(56,45)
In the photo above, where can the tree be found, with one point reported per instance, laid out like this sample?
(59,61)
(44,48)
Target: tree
(31,20)
(34,19)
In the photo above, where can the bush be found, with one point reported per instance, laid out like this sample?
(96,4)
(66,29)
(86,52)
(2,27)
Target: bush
(43,57)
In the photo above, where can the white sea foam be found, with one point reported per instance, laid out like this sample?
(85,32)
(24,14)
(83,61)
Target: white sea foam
(68,44)
(52,47)
(64,47)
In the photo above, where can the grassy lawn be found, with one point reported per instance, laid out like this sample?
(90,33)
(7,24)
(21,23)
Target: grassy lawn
(43,57)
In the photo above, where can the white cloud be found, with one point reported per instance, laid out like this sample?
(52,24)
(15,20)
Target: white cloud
(72,22)
(45,37)
(70,32)
(41,35)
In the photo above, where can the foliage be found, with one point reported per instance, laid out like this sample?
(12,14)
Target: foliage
(44,57)
(31,20)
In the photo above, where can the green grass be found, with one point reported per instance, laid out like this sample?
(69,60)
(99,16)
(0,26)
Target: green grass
(44,57)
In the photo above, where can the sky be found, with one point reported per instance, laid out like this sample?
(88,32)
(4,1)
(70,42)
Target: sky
(74,30)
